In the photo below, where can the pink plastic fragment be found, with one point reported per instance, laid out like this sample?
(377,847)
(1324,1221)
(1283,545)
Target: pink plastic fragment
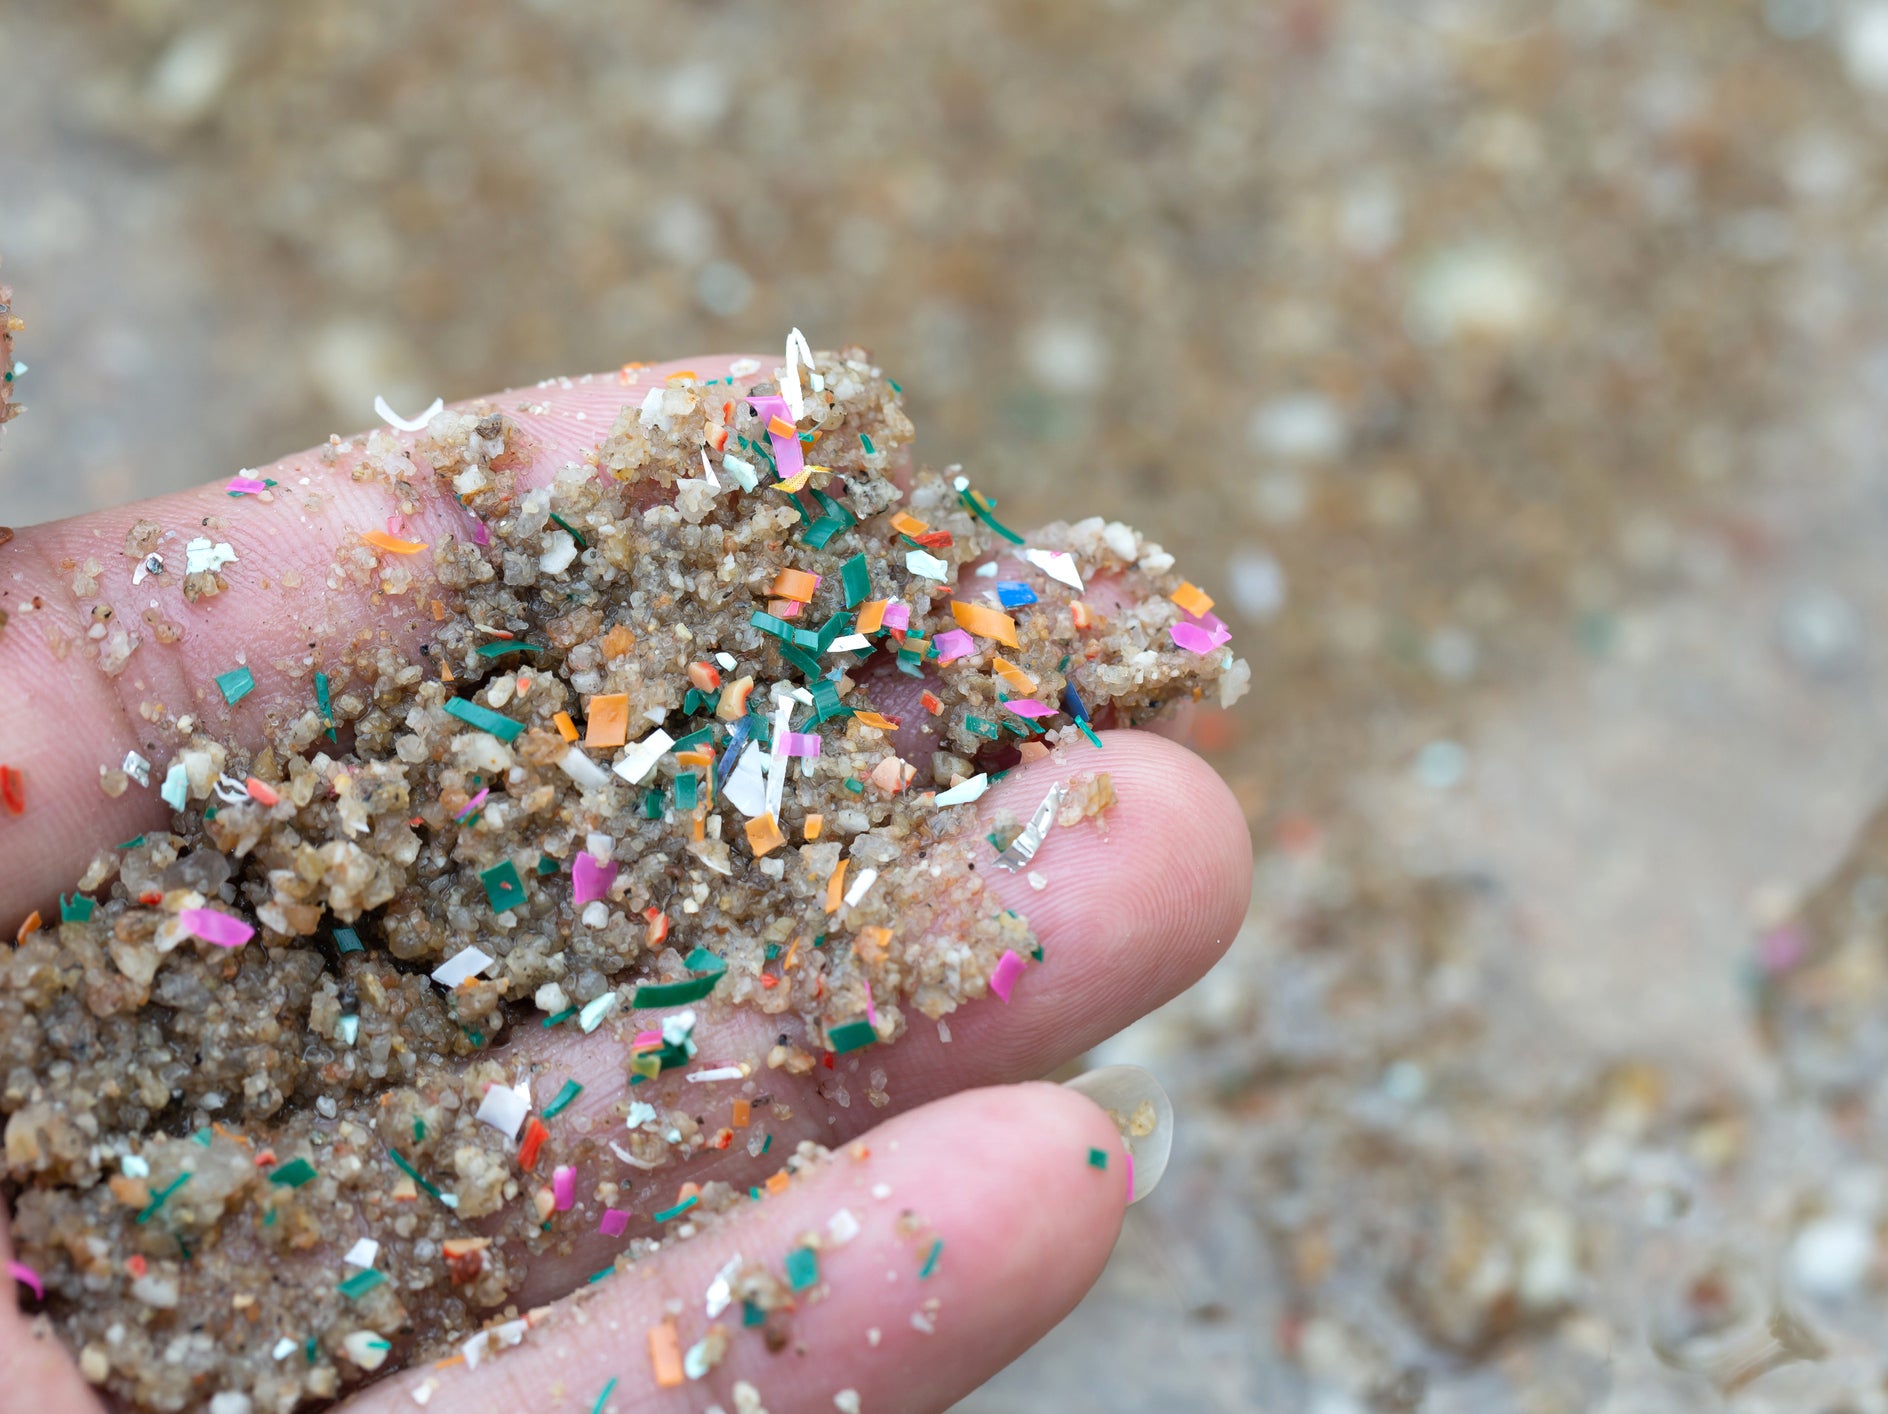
(214,927)
(615,1222)
(897,616)
(26,1276)
(1029,707)
(564,1187)
(788,459)
(1003,977)
(799,744)
(790,609)
(245,485)
(591,879)
(472,806)
(953,644)
(1200,635)
(646,1038)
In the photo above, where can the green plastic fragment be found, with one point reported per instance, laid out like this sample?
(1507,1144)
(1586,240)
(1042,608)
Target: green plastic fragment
(839,623)
(132,843)
(601,1273)
(699,737)
(701,960)
(292,1174)
(77,909)
(678,1209)
(685,788)
(561,1101)
(767,1143)
(311,1350)
(236,684)
(808,665)
(503,888)
(1098,1158)
(546,865)
(866,442)
(752,1315)
(499,647)
(419,1130)
(930,1259)
(895,388)
(851,1036)
(982,727)
(661,994)
(1089,732)
(826,703)
(361,1283)
(159,1198)
(983,508)
(652,803)
(414,1174)
(768,624)
(204,1137)
(855,786)
(561,1017)
(604,1398)
(1035,953)
(347,941)
(575,534)
(484,718)
(324,703)
(802,1268)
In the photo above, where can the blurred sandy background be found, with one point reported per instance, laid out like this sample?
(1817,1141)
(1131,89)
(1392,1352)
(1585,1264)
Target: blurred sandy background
(1528,358)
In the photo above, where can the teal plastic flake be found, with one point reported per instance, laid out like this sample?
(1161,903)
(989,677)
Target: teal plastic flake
(77,909)
(236,684)
(1098,1158)
(292,1174)
(484,718)
(930,1260)
(561,1101)
(361,1283)
(987,729)
(685,788)
(499,647)
(324,703)
(347,940)
(503,888)
(700,737)
(678,1209)
(851,1036)
(652,803)
(802,1268)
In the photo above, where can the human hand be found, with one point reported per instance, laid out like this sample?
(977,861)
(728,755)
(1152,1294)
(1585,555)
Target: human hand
(1000,1174)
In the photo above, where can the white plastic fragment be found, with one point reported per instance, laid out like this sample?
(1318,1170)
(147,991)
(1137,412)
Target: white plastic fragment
(727,661)
(466,963)
(867,878)
(639,758)
(850,643)
(595,1010)
(362,1253)
(640,1114)
(725,1072)
(176,788)
(200,555)
(964,791)
(560,548)
(798,353)
(1023,848)
(927,565)
(1059,565)
(777,763)
(721,1289)
(842,1227)
(504,1108)
(283,1348)
(742,471)
(152,563)
(581,769)
(407,424)
(136,767)
(746,788)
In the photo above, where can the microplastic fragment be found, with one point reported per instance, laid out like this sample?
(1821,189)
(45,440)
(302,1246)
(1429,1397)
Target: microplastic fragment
(292,1174)
(607,720)
(927,565)
(1201,637)
(798,353)
(604,1398)
(591,878)
(236,684)
(1193,601)
(392,544)
(245,486)
(615,1222)
(467,962)
(215,927)
(595,1010)
(851,1036)
(1059,565)
(484,718)
(638,760)
(1023,848)
(802,1268)
(561,1101)
(1029,707)
(678,1209)
(175,792)
(407,424)
(362,1253)
(856,576)
(1003,976)
(842,1227)
(985,622)
(137,768)
(504,1108)
(347,941)
(930,1260)
(726,1072)
(201,556)
(583,770)
(77,909)
(503,888)
(26,1276)
(1014,594)
(964,792)
(849,643)
(564,1187)
(953,644)
(1098,1158)
(897,615)
(860,885)
(361,1283)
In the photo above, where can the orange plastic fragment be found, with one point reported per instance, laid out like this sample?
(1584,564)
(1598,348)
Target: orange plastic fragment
(658,925)
(743,1112)
(1083,616)
(763,834)
(392,544)
(985,622)
(893,774)
(871,616)
(665,1355)
(680,374)
(566,728)
(1032,751)
(780,427)
(704,676)
(700,831)
(261,793)
(534,1136)
(875,719)
(906,524)
(795,584)
(439,612)
(813,825)
(836,887)
(1013,675)
(780,1182)
(931,704)
(28,928)
(608,723)
(1194,600)
(701,756)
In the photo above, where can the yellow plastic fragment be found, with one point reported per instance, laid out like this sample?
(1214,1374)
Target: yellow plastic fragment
(814,824)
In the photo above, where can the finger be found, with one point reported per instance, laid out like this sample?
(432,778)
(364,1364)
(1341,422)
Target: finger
(1126,920)
(64,719)
(1001,1177)
(35,1370)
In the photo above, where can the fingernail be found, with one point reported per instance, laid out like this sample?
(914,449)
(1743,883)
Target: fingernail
(1143,1114)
